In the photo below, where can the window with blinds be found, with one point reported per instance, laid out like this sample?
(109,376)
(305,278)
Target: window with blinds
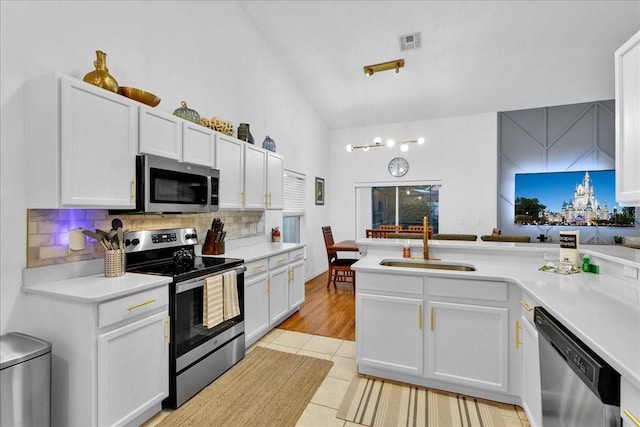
(294,191)
(294,185)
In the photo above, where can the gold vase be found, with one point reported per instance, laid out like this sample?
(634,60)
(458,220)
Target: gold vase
(100,76)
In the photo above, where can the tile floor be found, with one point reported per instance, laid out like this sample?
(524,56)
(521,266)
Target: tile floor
(321,411)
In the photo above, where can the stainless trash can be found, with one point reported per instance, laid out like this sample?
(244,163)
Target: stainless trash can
(25,381)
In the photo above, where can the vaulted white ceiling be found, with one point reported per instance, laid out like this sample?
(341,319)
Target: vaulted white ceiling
(476,56)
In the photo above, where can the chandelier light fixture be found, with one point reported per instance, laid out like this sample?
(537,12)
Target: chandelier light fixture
(377,143)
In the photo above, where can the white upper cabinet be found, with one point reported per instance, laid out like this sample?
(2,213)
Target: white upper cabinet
(627,66)
(275,181)
(81,142)
(255,183)
(160,134)
(198,144)
(230,163)
(250,177)
(171,137)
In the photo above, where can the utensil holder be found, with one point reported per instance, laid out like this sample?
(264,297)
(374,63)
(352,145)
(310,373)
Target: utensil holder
(211,247)
(114,263)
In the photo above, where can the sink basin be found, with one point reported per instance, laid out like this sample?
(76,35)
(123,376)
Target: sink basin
(434,265)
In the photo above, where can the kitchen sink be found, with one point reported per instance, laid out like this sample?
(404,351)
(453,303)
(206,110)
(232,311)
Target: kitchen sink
(428,264)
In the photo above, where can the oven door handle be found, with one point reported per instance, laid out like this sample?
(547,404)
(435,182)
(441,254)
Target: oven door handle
(199,281)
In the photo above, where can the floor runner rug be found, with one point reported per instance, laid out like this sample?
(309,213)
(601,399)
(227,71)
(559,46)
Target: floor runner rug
(266,388)
(375,402)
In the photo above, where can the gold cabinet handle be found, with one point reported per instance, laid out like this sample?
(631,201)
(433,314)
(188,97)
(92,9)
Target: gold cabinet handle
(633,419)
(420,316)
(167,335)
(269,200)
(526,306)
(258,267)
(266,199)
(242,198)
(133,189)
(518,328)
(142,304)
(431,316)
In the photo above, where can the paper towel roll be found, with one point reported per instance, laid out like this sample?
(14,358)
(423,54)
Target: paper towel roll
(77,241)
(570,248)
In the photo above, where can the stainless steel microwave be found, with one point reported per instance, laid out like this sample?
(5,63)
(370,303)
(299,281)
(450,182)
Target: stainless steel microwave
(166,185)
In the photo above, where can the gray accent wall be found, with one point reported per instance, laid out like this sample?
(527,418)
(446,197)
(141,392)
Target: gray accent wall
(552,139)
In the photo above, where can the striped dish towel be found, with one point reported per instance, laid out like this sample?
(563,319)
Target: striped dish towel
(231,303)
(213,311)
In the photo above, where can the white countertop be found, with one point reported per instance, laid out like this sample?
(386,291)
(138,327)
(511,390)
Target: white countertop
(261,250)
(97,288)
(84,284)
(601,310)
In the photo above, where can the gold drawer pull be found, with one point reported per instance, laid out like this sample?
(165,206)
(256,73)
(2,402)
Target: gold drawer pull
(258,267)
(526,306)
(167,335)
(142,304)
(635,420)
(420,316)
(133,189)
(431,317)
(518,342)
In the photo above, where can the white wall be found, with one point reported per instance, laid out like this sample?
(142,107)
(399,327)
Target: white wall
(206,53)
(459,151)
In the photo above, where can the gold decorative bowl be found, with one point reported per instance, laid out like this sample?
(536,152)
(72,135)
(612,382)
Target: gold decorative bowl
(139,95)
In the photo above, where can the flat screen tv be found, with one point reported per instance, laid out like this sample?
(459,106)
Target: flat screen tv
(583,198)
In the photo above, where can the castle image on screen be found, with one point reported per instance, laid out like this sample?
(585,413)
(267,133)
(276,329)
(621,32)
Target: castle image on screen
(585,198)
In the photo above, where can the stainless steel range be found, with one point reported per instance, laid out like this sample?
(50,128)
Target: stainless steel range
(197,354)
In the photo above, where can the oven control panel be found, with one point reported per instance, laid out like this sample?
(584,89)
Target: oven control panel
(138,241)
(163,237)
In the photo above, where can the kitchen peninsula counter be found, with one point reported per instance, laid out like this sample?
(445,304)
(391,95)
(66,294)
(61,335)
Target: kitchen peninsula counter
(602,309)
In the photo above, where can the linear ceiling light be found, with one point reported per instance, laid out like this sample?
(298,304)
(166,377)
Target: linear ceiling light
(377,142)
(369,70)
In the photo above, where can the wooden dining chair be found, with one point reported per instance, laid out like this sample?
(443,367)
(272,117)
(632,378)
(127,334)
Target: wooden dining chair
(390,227)
(377,233)
(339,268)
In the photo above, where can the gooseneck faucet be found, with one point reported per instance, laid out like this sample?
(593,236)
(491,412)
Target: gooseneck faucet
(425,238)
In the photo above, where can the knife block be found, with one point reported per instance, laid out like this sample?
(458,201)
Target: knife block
(211,247)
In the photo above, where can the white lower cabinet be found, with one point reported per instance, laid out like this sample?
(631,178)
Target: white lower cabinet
(278,294)
(256,307)
(531,391)
(389,331)
(434,331)
(296,283)
(110,360)
(468,345)
(274,289)
(128,378)
(629,403)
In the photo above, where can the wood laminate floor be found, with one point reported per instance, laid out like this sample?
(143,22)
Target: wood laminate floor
(327,312)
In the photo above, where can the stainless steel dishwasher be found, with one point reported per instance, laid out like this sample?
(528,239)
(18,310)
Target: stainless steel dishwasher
(578,387)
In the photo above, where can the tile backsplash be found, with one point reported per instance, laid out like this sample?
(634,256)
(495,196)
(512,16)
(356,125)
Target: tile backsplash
(48,230)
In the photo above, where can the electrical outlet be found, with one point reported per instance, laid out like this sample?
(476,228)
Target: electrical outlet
(631,272)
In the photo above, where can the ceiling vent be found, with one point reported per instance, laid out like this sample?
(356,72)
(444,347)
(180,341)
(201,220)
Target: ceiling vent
(411,41)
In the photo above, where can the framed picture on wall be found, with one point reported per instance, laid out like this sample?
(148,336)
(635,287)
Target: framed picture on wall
(319,191)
